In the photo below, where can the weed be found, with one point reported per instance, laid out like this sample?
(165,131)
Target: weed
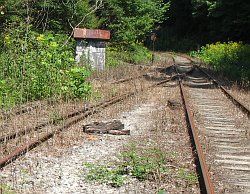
(114,91)
(96,95)
(76,83)
(161,192)
(134,162)
(232,58)
(141,163)
(55,117)
(105,174)
(32,66)
(190,177)
(6,189)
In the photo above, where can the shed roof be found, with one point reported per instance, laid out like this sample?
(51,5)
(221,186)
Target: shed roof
(91,34)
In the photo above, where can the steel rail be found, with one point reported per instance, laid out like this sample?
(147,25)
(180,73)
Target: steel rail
(227,93)
(236,101)
(206,185)
(32,144)
(209,188)
(44,124)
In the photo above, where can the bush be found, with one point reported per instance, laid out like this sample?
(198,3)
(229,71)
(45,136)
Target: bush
(135,53)
(76,84)
(36,66)
(232,58)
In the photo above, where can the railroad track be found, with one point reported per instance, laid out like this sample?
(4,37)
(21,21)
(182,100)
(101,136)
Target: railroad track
(29,108)
(221,146)
(50,128)
(23,109)
(220,133)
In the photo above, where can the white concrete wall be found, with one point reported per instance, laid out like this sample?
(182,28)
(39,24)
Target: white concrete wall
(93,51)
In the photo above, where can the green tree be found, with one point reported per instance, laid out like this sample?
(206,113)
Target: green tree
(223,19)
(131,20)
(230,20)
(49,14)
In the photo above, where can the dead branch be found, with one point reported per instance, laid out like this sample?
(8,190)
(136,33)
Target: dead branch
(98,4)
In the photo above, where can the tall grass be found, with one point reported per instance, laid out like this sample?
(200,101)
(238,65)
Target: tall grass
(232,58)
(134,54)
(36,66)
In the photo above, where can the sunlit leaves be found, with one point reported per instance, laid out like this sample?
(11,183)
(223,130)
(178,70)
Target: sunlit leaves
(132,20)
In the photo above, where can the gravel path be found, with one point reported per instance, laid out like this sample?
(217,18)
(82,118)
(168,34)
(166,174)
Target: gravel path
(65,174)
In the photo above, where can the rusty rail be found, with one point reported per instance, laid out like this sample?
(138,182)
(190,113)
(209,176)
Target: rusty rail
(227,93)
(236,101)
(44,124)
(206,185)
(76,117)
(209,188)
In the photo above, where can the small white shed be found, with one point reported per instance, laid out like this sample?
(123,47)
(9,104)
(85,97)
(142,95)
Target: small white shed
(91,46)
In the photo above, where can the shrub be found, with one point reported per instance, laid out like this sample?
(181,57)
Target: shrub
(135,54)
(232,58)
(35,66)
(76,84)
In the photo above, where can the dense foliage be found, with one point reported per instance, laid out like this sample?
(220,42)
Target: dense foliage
(35,68)
(231,58)
(131,20)
(37,51)
(193,23)
(44,15)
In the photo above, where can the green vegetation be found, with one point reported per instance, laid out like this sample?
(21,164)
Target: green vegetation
(232,58)
(143,162)
(37,51)
(32,66)
(39,68)
(131,20)
(134,161)
(135,54)
(105,174)
(188,176)
(76,83)
(6,189)
(52,15)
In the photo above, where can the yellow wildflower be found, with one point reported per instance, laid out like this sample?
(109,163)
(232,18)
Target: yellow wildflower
(7,39)
(53,45)
(40,37)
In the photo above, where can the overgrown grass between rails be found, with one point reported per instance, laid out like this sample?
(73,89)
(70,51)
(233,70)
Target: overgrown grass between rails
(232,58)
